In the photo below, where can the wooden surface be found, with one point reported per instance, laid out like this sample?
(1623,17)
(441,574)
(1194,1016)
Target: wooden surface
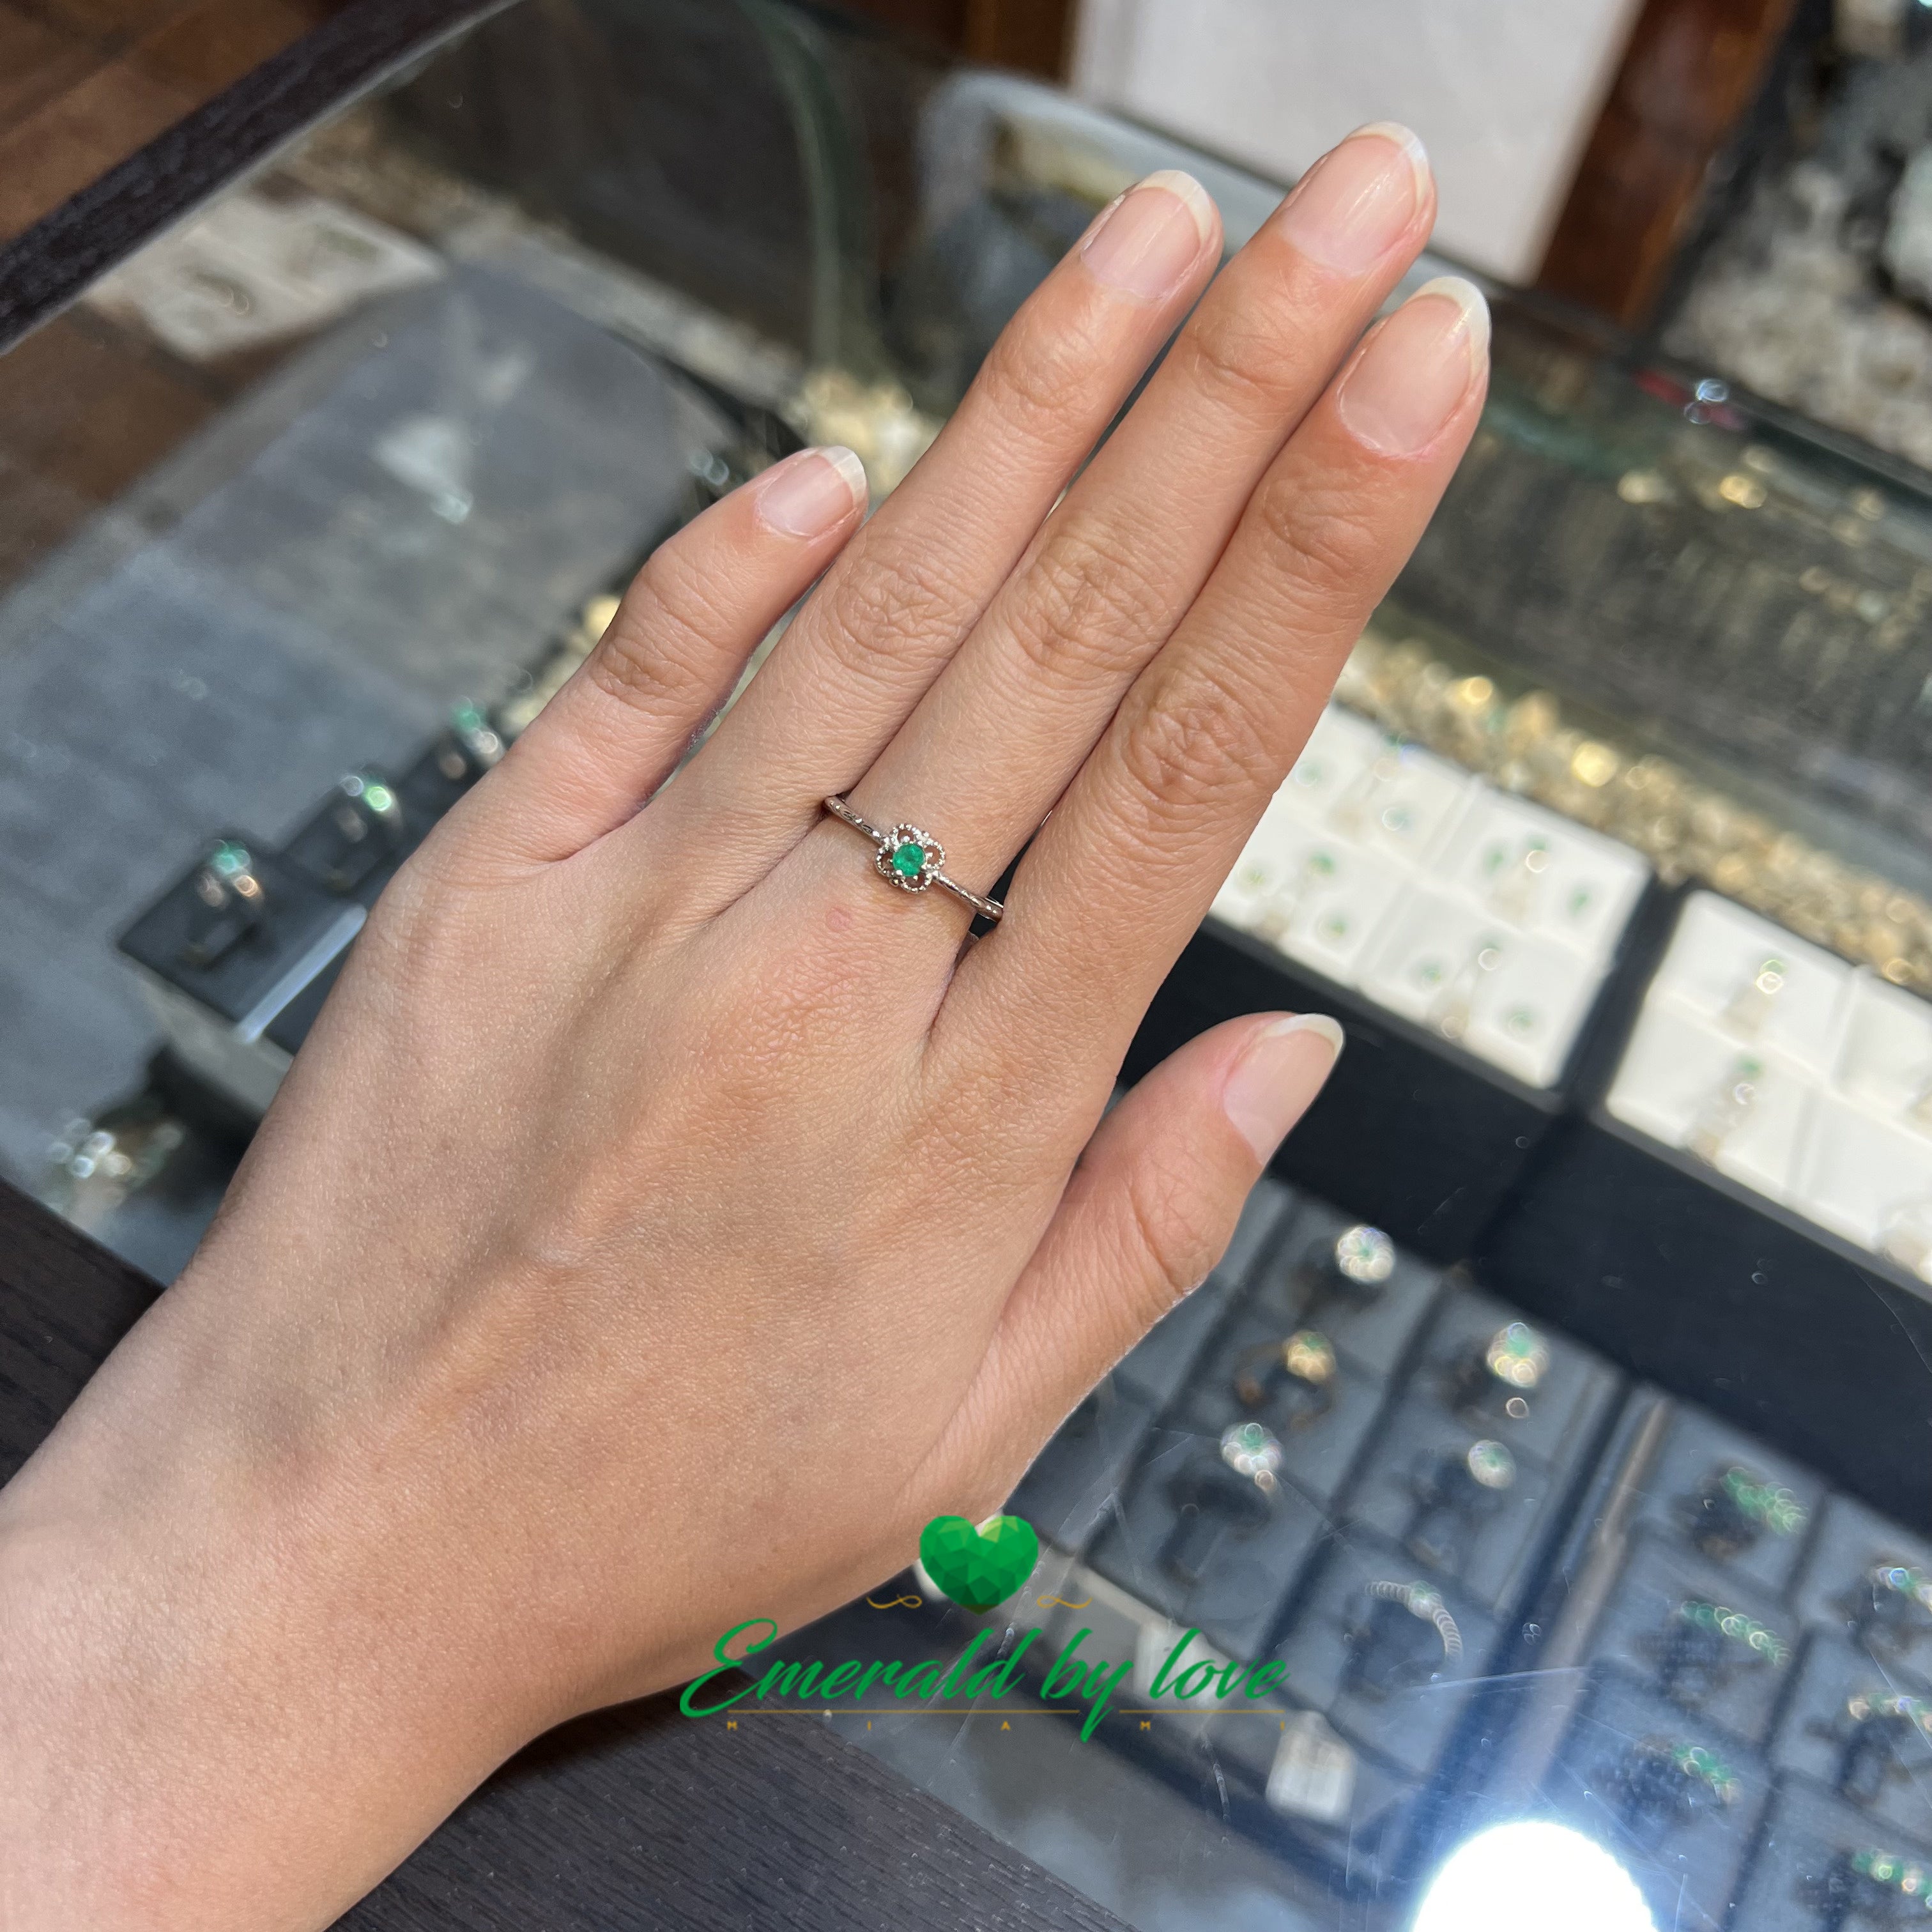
(1030,36)
(84,83)
(103,219)
(1691,74)
(634,1818)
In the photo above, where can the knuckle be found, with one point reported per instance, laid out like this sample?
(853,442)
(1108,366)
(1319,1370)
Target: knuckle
(657,656)
(1036,378)
(1240,352)
(893,597)
(1083,599)
(1176,1234)
(1190,741)
(1321,539)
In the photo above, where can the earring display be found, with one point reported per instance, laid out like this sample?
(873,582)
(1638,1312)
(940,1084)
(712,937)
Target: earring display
(1486,919)
(1822,1865)
(1730,1107)
(1870,1582)
(1785,1069)
(1716,1492)
(1516,1000)
(1908,1237)
(1885,1061)
(1303,1368)
(1686,829)
(1863,1732)
(1349,1281)
(1754,1002)
(1718,1648)
(1455,1497)
(1676,1801)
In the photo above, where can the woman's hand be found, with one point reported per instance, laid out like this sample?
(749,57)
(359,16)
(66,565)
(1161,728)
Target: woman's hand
(668,1217)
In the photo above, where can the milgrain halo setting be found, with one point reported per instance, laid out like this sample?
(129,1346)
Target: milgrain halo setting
(911,859)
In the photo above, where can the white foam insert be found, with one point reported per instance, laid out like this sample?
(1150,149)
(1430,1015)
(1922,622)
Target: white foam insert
(1674,1069)
(1859,1174)
(1583,887)
(1719,948)
(1885,1062)
(1524,1005)
(1373,865)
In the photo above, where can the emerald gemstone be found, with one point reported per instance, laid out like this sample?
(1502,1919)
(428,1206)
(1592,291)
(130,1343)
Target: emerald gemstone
(908,859)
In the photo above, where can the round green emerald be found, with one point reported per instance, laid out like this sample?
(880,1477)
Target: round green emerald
(908,858)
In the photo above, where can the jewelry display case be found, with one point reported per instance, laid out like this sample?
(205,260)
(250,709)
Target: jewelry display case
(1558,1422)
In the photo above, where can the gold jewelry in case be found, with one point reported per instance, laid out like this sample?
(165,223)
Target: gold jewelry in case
(1688,829)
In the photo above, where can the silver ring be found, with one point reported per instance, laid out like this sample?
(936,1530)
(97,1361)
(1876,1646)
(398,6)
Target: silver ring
(1424,1602)
(912,860)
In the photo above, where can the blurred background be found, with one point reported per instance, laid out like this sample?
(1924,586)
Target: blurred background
(1559,1415)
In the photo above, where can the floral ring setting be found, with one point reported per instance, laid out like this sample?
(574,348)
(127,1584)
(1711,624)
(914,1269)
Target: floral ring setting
(912,860)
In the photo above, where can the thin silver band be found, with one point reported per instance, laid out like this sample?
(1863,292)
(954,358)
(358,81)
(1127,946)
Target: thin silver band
(888,843)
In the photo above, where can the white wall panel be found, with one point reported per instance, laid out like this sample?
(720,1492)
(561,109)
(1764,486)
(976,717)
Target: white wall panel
(1503,92)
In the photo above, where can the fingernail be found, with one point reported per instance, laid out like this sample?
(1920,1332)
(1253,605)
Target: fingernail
(806,494)
(1416,368)
(1276,1079)
(1358,202)
(1147,242)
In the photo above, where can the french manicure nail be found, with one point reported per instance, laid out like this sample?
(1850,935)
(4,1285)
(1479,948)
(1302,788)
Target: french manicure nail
(1274,1082)
(1358,201)
(1149,239)
(1417,367)
(806,494)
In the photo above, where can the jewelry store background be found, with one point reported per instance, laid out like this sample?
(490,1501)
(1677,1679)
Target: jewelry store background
(1561,1420)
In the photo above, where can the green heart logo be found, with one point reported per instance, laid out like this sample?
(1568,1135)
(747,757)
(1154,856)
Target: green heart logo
(978,1567)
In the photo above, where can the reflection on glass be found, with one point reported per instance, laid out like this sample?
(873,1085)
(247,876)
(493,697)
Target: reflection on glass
(1529,1876)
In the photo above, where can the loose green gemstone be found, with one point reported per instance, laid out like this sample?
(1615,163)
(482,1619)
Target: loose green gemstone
(908,859)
